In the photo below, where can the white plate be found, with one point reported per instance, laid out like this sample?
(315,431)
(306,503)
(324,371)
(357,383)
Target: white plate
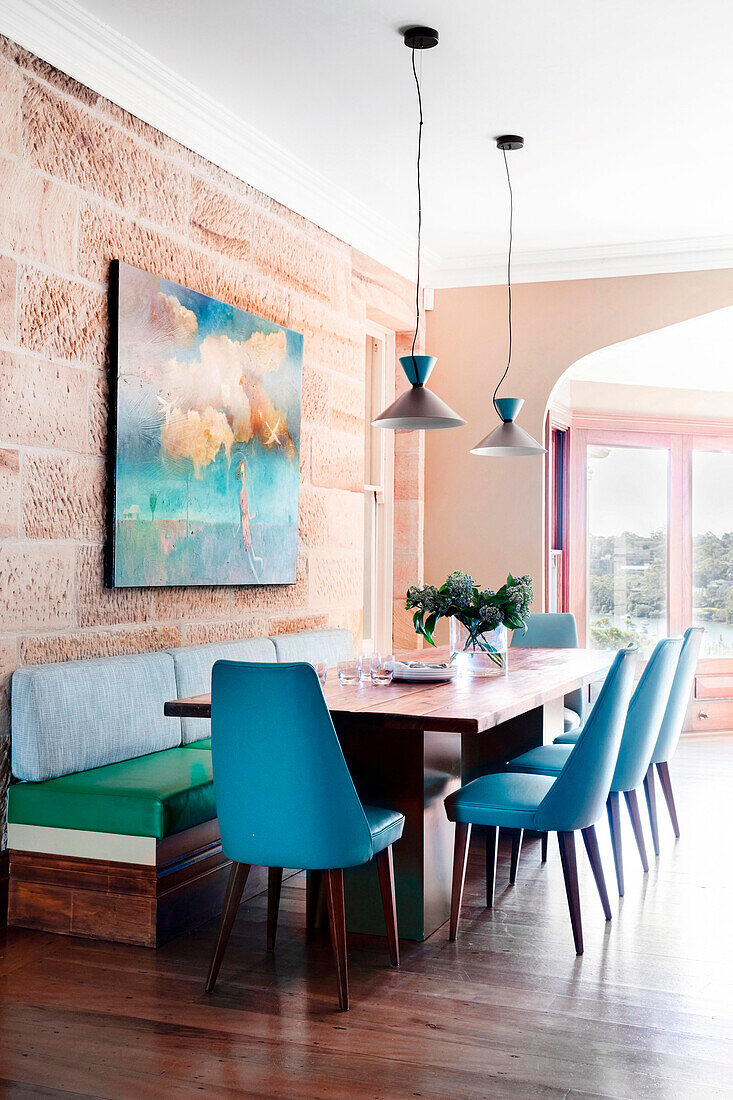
(423,674)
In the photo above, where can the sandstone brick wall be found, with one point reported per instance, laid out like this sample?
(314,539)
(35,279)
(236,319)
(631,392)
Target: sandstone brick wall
(82,182)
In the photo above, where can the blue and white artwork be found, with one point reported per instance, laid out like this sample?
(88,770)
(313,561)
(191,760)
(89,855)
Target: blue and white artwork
(207,440)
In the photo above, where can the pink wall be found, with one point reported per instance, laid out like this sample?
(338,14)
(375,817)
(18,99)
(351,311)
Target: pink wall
(485,515)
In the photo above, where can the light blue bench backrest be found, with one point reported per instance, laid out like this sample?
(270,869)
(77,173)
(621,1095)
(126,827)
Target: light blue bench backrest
(314,645)
(76,715)
(193,667)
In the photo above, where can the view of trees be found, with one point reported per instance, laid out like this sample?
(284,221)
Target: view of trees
(628,579)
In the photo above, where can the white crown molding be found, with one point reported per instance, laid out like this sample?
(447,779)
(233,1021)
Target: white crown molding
(595,262)
(70,38)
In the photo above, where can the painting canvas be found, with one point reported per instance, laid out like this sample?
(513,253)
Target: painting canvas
(207,432)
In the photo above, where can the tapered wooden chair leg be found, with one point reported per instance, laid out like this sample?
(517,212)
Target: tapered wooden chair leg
(492,849)
(235,886)
(517,835)
(544,847)
(385,868)
(460,859)
(591,846)
(274,886)
(313,884)
(651,804)
(632,803)
(665,780)
(570,873)
(614,824)
(337,922)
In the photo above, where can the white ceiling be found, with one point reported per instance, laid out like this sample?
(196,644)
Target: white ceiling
(694,355)
(626,108)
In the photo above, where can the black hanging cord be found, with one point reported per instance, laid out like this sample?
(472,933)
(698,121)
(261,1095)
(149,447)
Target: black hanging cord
(508,279)
(419,206)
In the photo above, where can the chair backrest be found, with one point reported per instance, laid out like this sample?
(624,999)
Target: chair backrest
(284,795)
(646,711)
(552,630)
(578,795)
(679,696)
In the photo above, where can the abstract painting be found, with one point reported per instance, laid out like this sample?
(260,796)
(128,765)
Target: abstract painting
(206,432)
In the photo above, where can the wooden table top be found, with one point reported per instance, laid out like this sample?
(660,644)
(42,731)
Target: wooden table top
(463,705)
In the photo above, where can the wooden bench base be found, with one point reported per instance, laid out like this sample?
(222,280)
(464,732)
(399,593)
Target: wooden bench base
(125,902)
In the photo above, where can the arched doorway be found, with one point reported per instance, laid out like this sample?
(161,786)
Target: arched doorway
(640,496)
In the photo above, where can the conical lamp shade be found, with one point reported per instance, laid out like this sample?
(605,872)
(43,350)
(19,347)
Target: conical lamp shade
(508,439)
(418,409)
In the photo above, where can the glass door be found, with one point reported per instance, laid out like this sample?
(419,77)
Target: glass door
(627,574)
(712,548)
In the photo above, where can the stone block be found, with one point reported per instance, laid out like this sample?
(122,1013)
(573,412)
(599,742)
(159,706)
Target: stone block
(32,64)
(220,221)
(337,460)
(312,521)
(7,298)
(389,298)
(253,293)
(37,215)
(37,586)
(72,144)
(335,581)
(293,624)
(252,626)
(41,404)
(61,318)
(408,570)
(9,493)
(409,476)
(9,659)
(266,598)
(81,645)
(101,606)
(98,399)
(64,497)
(105,235)
(348,404)
(408,525)
(345,518)
(10,113)
(316,396)
(194,602)
(292,258)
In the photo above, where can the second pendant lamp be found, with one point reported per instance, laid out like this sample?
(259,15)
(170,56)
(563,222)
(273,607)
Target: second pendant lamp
(419,409)
(508,438)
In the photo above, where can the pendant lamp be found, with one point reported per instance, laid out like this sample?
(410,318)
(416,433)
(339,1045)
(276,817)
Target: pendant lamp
(508,438)
(419,409)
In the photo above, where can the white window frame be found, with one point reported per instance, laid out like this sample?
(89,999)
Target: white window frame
(379,490)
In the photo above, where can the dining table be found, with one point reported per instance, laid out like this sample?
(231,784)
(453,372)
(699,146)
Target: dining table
(410,744)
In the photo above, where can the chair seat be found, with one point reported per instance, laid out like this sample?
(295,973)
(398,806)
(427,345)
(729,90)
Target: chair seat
(506,799)
(204,743)
(385,825)
(571,720)
(570,737)
(155,795)
(544,760)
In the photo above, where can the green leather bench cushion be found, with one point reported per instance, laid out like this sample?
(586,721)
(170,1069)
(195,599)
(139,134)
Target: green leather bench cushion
(205,743)
(154,795)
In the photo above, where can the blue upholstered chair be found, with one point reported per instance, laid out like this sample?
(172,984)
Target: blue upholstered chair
(574,800)
(555,630)
(641,730)
(669,734)
(285,798)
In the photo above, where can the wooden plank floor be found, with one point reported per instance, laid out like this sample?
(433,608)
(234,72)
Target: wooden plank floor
(507,1011)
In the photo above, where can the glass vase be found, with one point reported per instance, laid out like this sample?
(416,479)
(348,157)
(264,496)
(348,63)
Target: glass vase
(483,654)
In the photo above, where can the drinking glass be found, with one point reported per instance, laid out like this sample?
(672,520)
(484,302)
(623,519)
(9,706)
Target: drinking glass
(349,670)
(322,669)
(368,660)
(382,668)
